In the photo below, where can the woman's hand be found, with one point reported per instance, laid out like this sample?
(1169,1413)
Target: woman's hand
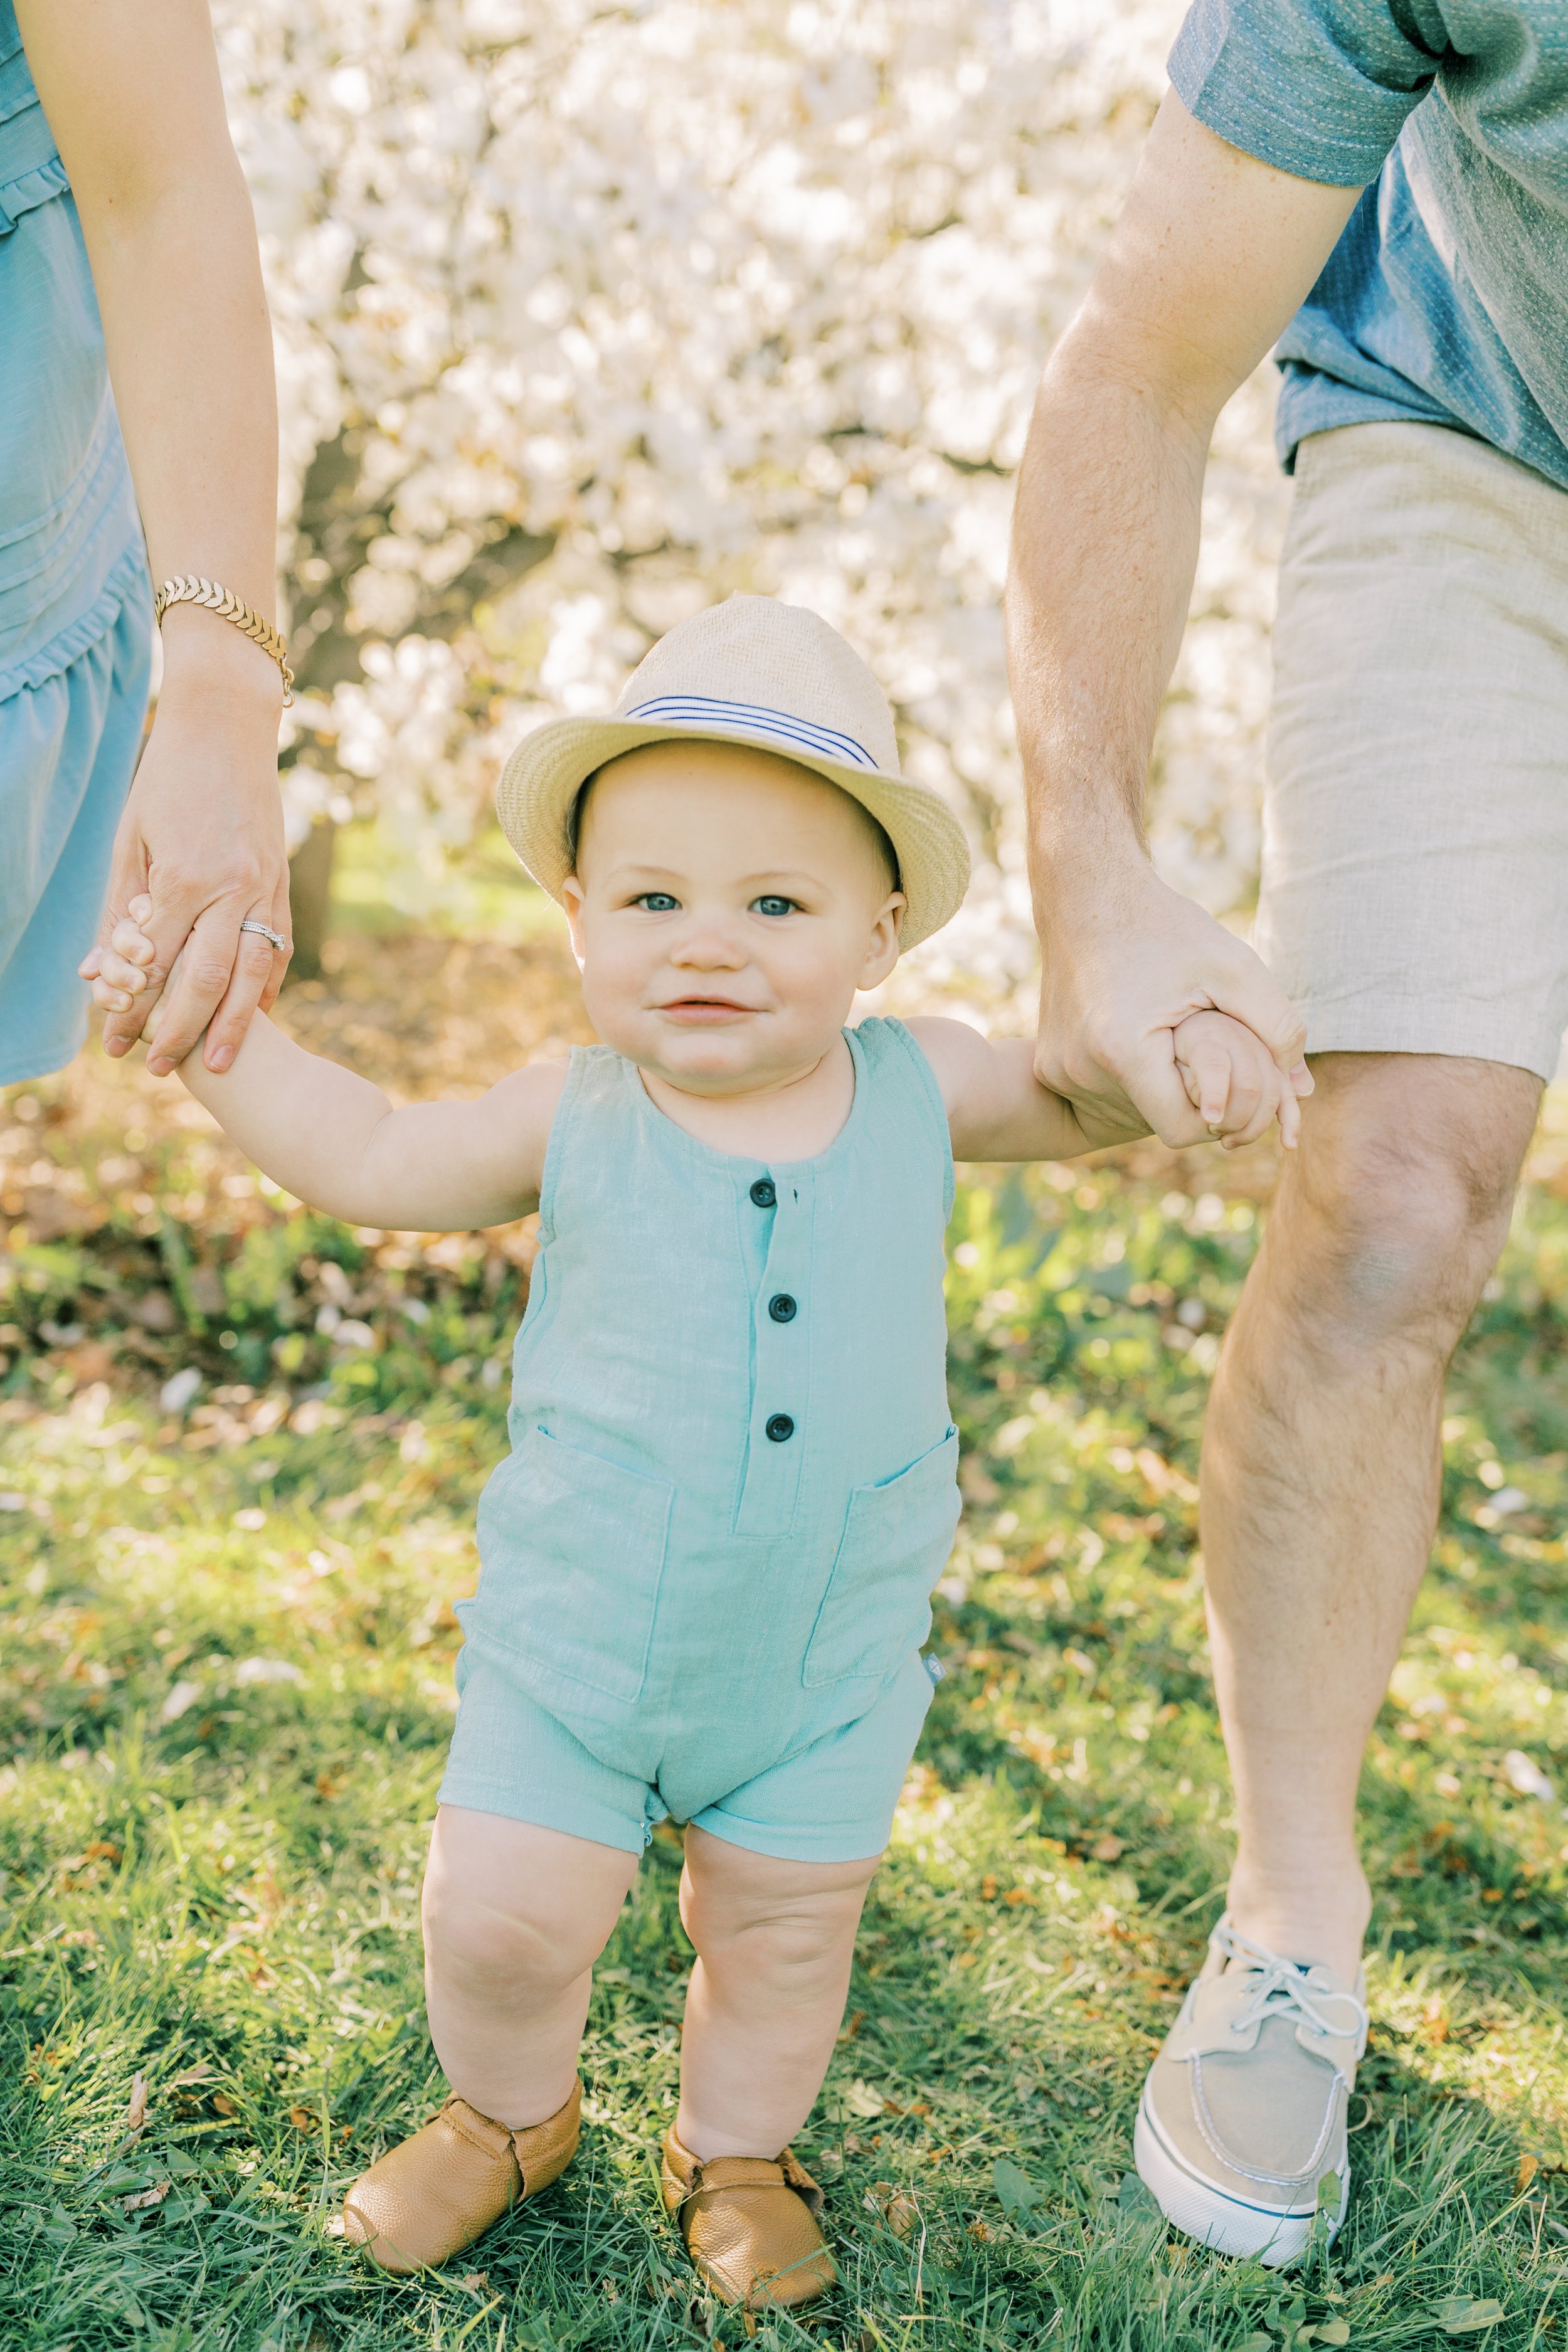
(202,837)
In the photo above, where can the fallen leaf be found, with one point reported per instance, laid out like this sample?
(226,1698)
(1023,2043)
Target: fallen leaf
(1462,2314)
(302,2118)
(136,2113)
(1525,1775)
(146,2197)
(988,1888)
(1529,2165)
(1015,2192)
(225,2105)
(903,2216)
(475,2282)
(180,1700)
(1109,1849)
(201,2074)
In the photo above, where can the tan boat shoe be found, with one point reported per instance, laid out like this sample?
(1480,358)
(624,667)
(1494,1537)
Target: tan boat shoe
(750,2225)
(438,2191)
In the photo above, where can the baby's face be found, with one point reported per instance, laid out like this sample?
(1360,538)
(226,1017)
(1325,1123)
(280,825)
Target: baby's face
(726,907)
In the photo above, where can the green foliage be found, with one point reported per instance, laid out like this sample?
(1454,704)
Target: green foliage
(226,1692)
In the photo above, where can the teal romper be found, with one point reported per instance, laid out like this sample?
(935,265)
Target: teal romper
(707,1562)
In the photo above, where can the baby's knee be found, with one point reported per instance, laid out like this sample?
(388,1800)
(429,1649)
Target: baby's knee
(476,1941)
(788,1923)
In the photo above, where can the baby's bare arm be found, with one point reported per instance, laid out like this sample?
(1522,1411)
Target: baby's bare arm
(997,1108)
(334,1139)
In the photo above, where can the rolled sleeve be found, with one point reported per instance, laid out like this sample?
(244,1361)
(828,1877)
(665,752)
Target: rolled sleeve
(1319,89)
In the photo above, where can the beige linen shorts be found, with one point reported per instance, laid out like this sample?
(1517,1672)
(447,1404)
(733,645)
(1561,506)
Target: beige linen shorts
(1415,896)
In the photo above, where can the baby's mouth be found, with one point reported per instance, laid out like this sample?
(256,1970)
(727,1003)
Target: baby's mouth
(700,1009)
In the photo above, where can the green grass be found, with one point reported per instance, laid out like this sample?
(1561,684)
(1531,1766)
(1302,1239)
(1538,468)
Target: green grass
(210,1865)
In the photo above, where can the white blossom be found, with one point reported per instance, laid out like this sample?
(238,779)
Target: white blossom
(601,316)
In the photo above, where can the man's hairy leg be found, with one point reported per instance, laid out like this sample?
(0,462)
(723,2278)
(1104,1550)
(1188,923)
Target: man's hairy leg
(1321,1456)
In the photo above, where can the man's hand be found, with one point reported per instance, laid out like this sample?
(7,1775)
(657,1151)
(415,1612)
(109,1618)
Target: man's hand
(1127,960)
(1213,252)
(202,837)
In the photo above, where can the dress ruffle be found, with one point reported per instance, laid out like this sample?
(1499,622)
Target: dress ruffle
(31,189)
(128,579)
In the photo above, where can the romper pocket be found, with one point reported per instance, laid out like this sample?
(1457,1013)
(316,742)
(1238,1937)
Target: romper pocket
(896,1535)
(574,1550)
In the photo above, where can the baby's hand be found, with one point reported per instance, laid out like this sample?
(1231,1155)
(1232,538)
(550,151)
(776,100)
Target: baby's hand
(1233,1080)
(118,972)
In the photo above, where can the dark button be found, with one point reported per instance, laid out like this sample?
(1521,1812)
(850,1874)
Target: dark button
(780,1427)
(782,1308)
(763,1192)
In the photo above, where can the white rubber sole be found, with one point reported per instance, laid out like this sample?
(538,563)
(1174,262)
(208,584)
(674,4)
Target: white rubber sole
(1226,2224)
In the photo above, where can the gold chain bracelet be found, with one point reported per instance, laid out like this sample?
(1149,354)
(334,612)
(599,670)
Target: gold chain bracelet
(229,607)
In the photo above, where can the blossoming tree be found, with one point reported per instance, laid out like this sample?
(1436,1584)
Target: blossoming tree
(586,317)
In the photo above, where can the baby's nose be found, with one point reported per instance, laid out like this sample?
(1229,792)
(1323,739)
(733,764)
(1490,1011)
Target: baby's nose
(711,946)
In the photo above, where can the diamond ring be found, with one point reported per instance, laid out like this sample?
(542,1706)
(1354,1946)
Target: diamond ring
(265,931)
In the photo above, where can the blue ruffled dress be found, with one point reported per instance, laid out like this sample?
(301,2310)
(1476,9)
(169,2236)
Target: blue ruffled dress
(75,607)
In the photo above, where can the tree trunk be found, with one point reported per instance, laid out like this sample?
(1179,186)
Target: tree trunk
(310,898)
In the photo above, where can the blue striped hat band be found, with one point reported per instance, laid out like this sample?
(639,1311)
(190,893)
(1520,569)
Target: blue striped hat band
(793,734)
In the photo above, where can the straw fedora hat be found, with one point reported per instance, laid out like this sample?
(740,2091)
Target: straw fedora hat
(758,672)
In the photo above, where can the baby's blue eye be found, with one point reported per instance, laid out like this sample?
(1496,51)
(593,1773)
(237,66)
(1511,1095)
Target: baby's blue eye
(656,902)
(773,905)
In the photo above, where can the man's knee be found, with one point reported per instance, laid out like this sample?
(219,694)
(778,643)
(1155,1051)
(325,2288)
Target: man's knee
(1394,1211)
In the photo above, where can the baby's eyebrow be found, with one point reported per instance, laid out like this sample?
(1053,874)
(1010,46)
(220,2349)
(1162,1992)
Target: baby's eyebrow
(771,877)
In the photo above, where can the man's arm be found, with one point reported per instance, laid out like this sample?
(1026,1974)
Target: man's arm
(1214,254)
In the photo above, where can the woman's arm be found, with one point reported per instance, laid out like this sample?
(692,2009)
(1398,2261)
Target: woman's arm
(134,99)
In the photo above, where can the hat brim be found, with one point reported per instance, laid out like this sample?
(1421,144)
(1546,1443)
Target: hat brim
(549,768)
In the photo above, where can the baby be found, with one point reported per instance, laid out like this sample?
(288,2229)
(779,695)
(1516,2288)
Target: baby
(707,1560)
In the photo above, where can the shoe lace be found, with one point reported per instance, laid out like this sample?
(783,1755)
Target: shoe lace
(1281,1989)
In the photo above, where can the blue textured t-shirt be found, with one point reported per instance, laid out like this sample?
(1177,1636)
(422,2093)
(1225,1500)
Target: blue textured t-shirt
(1446,298)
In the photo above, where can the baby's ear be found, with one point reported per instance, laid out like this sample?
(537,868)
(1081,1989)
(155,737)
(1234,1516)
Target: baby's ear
(882,952)
(572,900)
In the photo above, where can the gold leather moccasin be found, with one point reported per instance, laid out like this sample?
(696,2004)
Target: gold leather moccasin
(750,2225)
(435,2193)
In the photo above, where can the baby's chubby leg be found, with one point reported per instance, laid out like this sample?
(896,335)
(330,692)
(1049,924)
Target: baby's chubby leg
(515,1918)
(774,1941)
